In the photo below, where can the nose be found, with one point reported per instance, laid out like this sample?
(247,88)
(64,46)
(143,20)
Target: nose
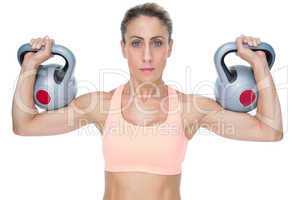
(147,54)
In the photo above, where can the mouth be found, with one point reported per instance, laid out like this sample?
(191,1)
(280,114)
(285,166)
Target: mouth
(147,70)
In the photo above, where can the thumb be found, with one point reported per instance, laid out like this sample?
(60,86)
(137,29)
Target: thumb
(261,53)
(28,55)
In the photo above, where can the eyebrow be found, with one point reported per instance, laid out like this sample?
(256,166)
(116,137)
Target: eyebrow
(135,36)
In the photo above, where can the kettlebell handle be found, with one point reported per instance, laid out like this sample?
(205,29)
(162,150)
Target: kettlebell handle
(57,49)
(223,72)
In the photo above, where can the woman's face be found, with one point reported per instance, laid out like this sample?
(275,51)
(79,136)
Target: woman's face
(146,47)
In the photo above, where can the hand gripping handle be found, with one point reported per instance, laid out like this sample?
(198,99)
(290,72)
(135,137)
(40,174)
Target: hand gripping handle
(223,72)
(60,50)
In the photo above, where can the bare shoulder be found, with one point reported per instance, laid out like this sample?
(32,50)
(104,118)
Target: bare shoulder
(94,104)
(92,99)
(196,106)
(194,109)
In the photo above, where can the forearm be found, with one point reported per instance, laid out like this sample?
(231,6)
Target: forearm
(268,105)
(23,108)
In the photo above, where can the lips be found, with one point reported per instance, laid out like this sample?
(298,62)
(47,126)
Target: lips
(147,68)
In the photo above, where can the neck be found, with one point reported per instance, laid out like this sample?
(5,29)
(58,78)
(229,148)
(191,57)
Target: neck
(145,89)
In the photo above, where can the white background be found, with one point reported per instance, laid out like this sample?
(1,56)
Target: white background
(70,166)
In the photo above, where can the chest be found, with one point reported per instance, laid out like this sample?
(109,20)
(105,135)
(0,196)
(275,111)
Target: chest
(144,113)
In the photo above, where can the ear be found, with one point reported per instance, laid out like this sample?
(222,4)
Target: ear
(170,47)
(123,49)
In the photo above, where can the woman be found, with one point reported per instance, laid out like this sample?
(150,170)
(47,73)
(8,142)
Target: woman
(146,124)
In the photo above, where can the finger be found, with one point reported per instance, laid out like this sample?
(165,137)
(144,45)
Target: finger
(48,46)
(31,41)
(35,43)
(245,39)
(51,44)
(261,53)
(239,43)
(40,43)
(258,40)
(254,42)
(44,40)
(250,41)
(28,55)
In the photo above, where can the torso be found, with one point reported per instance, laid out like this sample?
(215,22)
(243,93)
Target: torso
(139,185)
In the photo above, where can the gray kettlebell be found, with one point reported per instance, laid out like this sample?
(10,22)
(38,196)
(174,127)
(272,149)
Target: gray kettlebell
(235,87)
(55,85)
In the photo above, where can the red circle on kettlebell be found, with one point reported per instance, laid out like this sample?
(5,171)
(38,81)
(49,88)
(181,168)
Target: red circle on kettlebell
(43,97)
(247,97)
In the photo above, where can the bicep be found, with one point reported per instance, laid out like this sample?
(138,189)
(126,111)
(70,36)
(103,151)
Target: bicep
(77,114)
(229,124)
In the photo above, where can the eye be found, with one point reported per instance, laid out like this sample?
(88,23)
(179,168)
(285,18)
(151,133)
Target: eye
(136,43)
(157,43)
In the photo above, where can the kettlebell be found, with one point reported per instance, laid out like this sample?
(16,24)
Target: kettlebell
(235,87)
(55,86)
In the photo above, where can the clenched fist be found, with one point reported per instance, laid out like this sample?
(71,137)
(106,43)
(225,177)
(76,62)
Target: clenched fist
(246,53)
(43,46)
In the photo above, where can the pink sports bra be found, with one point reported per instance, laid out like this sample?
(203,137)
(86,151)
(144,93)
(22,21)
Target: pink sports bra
(158,149)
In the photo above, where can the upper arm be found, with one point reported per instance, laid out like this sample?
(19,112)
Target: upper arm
(83,110)
(236,125)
